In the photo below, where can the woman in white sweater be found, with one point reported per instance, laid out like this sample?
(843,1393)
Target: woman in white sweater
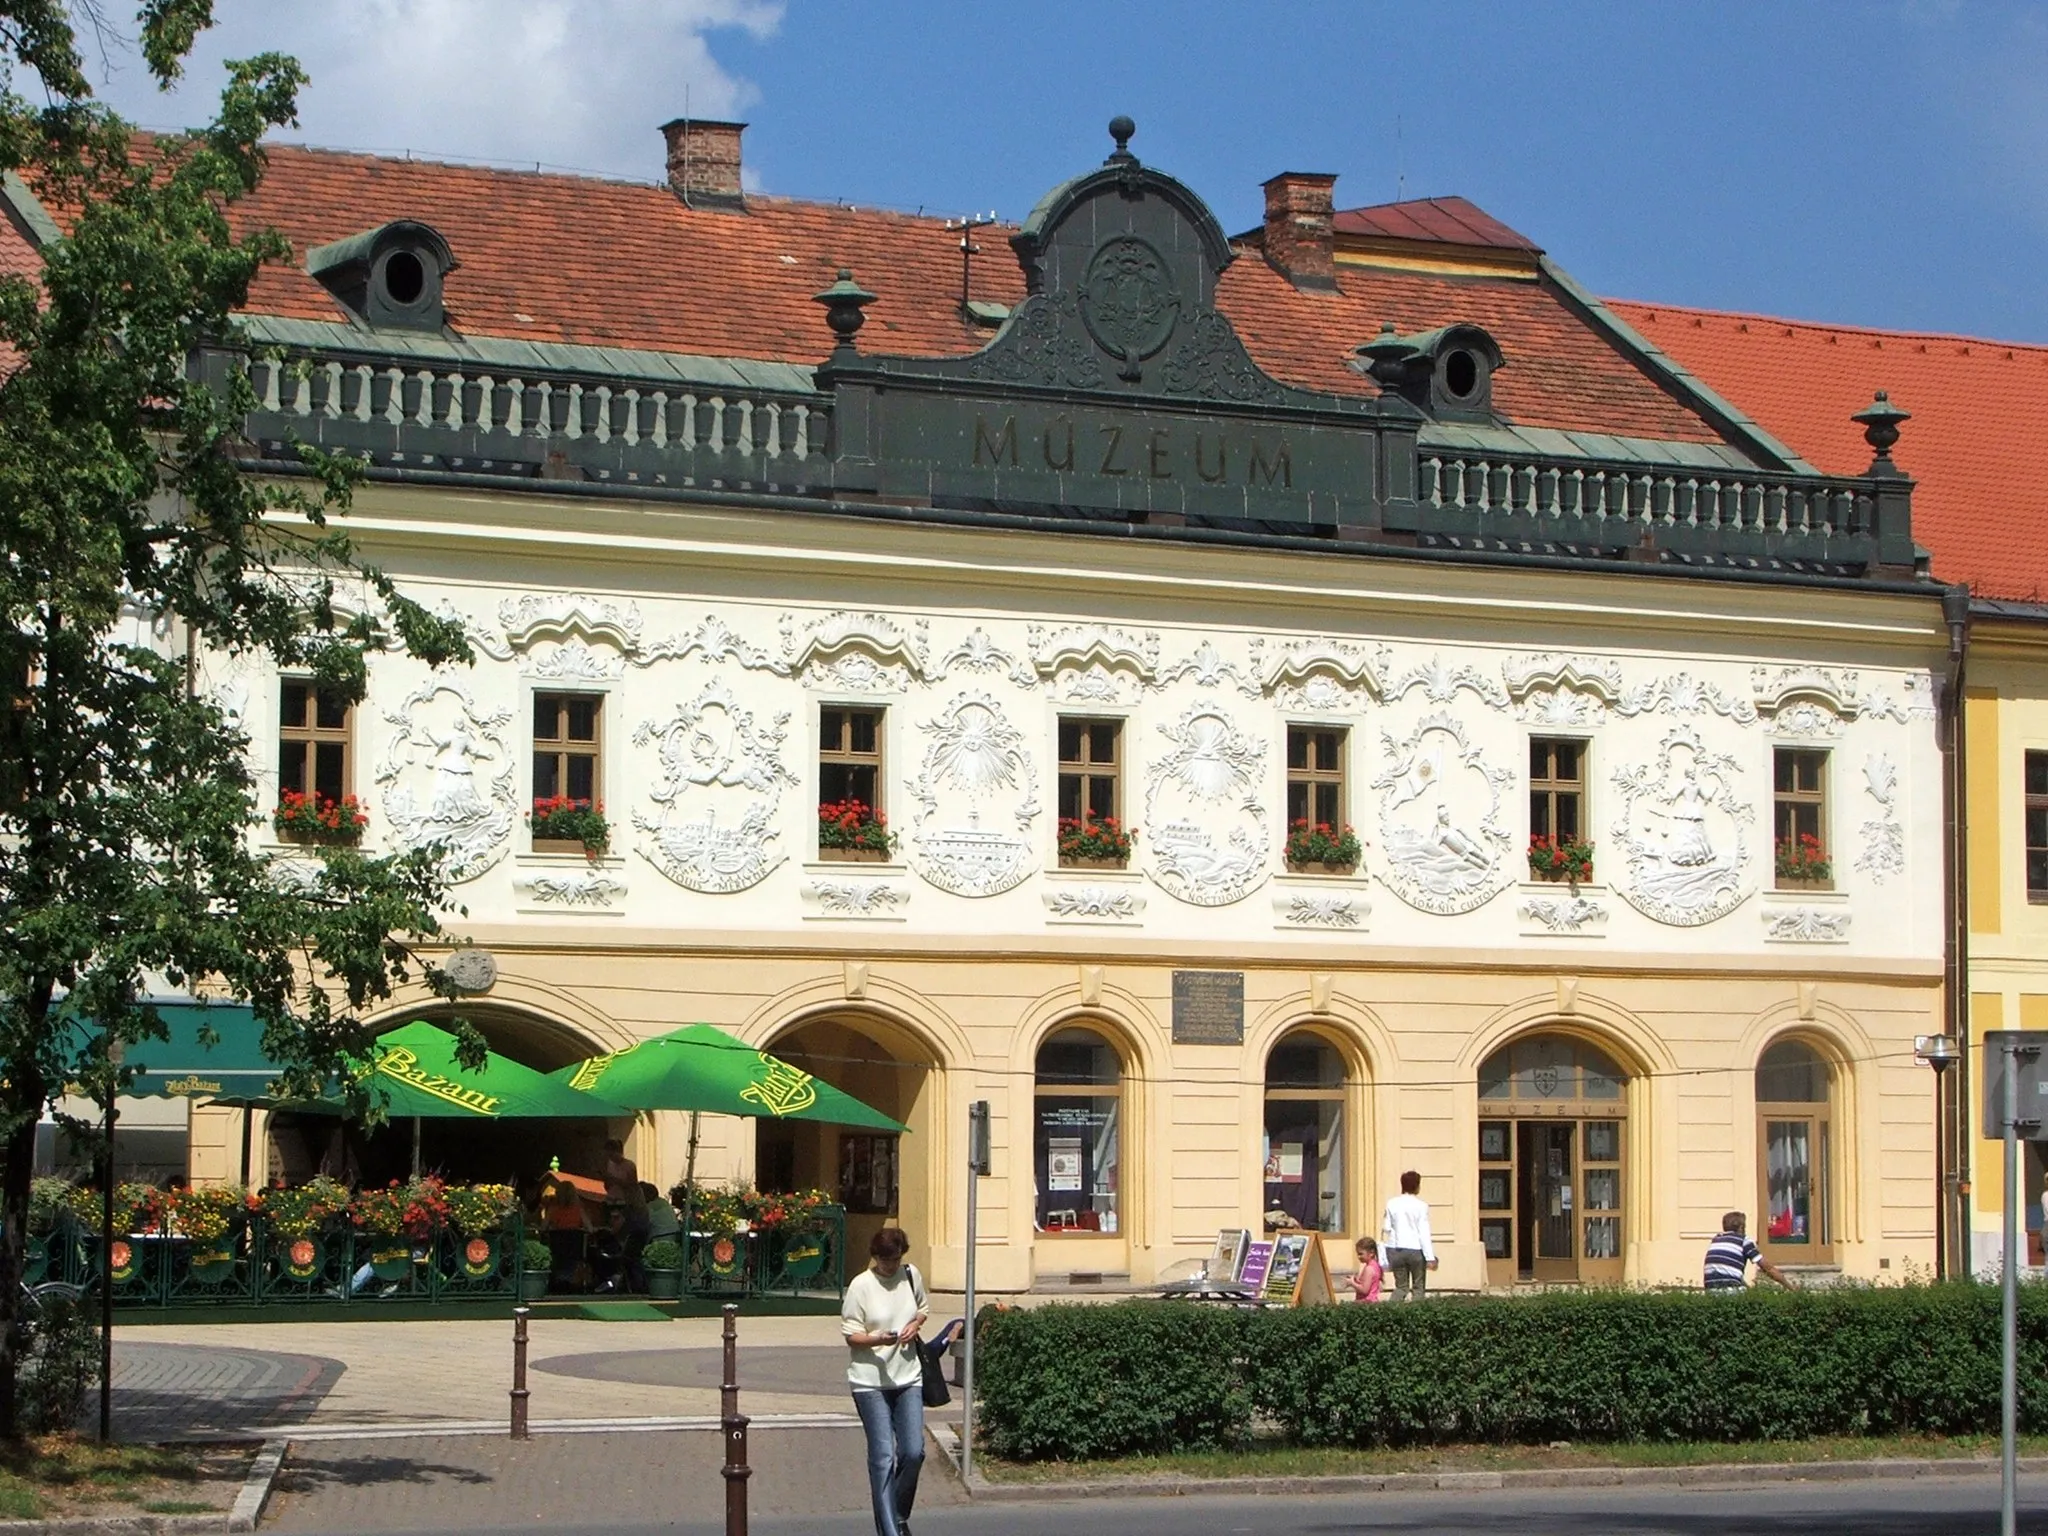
(881,1318)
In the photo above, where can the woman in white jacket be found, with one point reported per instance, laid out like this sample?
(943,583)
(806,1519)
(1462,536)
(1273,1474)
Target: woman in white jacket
(1410,1252)
(882,1317)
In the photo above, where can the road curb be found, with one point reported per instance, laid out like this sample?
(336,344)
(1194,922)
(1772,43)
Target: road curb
(256,1487)
(1711,1474)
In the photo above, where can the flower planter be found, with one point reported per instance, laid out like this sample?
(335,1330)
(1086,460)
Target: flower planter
(210,1266)
(320,839)
(301,1258)
(664,1284)
(568,845)
(852,856)
(391,1264)
(1794,883)
(479,1254)
(1322,867)
(802,1256)
(533,1285)
(1076,861)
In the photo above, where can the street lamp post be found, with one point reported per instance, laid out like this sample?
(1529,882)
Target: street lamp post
(1939,1052)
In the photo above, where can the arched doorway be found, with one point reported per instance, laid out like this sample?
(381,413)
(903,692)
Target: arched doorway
(1794,1097)
(1553,1121)
(1307,1148)
(462,1151)
(881,1179)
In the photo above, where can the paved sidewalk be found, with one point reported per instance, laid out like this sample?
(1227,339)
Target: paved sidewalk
(188,1380)
(568,1481)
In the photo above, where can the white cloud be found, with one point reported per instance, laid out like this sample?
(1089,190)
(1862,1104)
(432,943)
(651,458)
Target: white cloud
(581,84)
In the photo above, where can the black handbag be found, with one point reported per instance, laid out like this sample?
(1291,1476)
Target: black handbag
(931,1357)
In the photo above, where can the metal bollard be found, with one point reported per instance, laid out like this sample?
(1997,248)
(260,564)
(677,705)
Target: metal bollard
(519,1393)
(734,1424)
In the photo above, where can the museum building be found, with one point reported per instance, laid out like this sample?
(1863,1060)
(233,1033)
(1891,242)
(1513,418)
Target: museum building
(1263,712)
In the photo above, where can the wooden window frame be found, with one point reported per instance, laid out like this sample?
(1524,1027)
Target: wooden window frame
(309,736)
(1086,770)
(2032,804)
(1551,788)
(842,754)
(1316,775)
(562,749)
(1781,799)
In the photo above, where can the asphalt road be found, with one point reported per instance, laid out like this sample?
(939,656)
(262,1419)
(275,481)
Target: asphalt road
(1964,1506)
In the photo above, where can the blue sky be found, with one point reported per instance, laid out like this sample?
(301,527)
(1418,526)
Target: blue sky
(1883,163)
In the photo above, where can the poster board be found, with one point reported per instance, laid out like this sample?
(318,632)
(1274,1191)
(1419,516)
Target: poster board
(1226,1257)
(1258,1258)
(1298,1276)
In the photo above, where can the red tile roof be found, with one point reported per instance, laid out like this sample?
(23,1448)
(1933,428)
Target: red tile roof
(567,258)
(1440,220)
(1980,420)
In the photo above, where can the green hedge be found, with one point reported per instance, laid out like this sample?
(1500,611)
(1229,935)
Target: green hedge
(1148,1377)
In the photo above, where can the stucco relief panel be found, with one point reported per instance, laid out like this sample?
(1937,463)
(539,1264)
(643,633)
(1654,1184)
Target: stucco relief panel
(1683,832)
(446,778)
(712,827)
(1205,812)
(976,791)
(1440,832)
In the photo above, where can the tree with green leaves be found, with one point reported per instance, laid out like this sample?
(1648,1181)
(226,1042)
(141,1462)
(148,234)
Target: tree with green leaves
(134,543)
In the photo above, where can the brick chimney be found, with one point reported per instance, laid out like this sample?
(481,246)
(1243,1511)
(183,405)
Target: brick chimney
(704,162)
(1300,207)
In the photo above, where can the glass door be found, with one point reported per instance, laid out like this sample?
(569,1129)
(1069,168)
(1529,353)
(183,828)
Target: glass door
(1547,1236)
(1600,1201)
(1795,1161)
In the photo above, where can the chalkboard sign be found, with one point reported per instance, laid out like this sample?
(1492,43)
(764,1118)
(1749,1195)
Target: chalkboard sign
(1258,1258)
(1208,1007)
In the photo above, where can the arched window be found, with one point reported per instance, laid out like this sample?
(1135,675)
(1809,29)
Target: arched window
(1793,1090)
(1304,1148)
(1552,1125)
(1077,1132)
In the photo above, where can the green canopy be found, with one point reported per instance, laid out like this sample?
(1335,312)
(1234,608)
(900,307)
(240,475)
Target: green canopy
(701,1068)
(414,1074)
(187,1065)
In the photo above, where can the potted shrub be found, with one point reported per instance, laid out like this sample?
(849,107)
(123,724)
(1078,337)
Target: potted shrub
(1094,842)
(1568,859)
(853,831)
(1802,861)
(315,818)
(299,1221)
(663,1261)
(1319,846)
(536,1268)
(563,825)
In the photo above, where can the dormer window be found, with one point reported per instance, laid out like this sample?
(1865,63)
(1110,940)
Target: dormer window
(1448,372)
(389,277)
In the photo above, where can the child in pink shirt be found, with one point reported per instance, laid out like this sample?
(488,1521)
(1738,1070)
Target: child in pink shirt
(1365,1285)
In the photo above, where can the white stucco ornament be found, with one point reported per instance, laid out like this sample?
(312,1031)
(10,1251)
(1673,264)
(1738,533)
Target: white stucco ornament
(1440,828)
(472,970)
(1884,839)
(1204,816)
(715,799)
(977,795)
(1683,832)
(446,777)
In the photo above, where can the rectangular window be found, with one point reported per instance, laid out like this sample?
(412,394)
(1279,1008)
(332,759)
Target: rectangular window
(2037,826)
(851,821)
(1315,775)
(1557,789)
(1091,771)
(568,747)
(313,746)
(1799,794)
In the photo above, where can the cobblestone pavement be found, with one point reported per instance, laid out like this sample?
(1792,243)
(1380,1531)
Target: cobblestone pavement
(196,1379)
(593,1482)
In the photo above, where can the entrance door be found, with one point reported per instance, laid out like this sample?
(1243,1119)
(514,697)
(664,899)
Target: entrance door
(1546,1246)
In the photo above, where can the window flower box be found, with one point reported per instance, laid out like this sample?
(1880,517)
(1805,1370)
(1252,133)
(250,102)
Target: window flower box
(1094,842)
(1318,847)
(1804,863)
(563,825)
(1561,860)
(303,818)
(852,831)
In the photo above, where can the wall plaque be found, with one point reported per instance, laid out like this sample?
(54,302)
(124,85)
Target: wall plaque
(1208,1007)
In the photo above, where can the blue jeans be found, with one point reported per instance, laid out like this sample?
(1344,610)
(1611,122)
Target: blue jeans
(894,1421)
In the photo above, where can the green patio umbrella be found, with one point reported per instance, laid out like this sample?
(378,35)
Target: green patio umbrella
(701,1068)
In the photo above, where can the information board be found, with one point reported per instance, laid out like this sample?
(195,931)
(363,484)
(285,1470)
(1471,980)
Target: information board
(1227,1255)
(1208,1007)
(1258,1258)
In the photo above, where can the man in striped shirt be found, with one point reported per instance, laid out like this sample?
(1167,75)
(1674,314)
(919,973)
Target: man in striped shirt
(1730,1255)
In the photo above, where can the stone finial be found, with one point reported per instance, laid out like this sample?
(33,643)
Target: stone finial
(1388,357)
(1121,128)
(843,302)
(1880,422)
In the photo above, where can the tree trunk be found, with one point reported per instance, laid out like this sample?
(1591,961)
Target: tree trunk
(25,1099)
